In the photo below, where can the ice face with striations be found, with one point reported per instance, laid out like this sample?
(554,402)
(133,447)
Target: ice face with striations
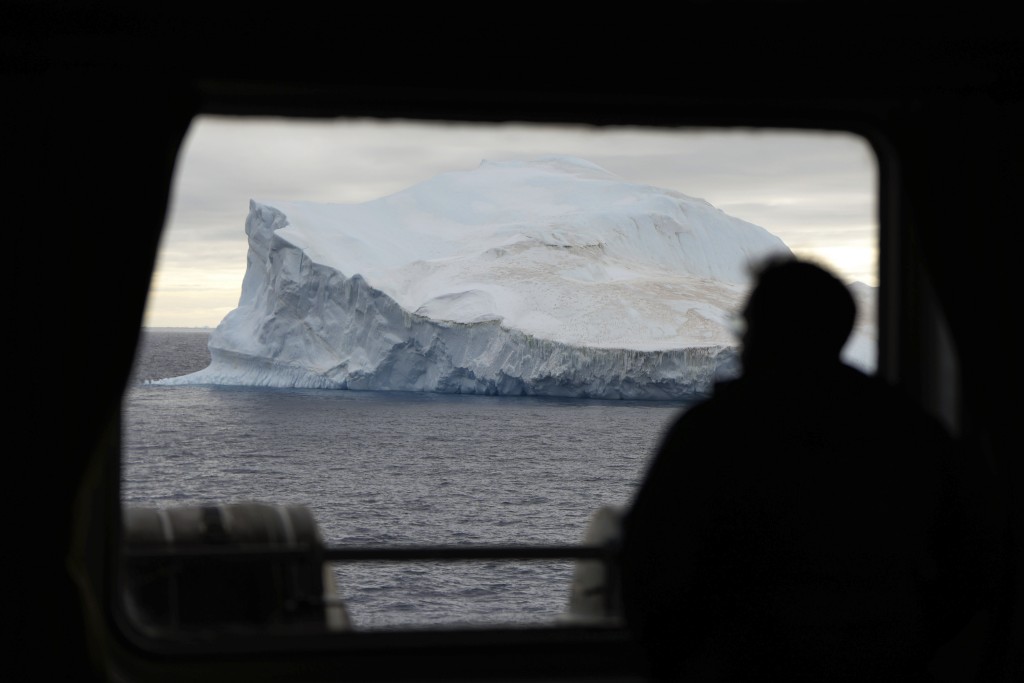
(548,277)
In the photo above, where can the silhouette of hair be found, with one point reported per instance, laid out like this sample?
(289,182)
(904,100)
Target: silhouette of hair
(796,310)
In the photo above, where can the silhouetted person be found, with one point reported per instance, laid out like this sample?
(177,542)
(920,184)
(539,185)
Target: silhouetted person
(807,522)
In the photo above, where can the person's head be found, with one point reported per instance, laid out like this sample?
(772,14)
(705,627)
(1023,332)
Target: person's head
(798,313)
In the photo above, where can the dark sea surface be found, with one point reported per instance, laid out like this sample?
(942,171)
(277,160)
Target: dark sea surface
(394,469)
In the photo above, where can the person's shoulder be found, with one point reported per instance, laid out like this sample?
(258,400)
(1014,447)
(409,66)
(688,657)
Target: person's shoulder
(695,414)
(893,402)
(724,393)
(875,386)
(727,402)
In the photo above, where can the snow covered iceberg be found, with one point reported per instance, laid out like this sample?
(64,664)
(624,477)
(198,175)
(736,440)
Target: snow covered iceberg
(548,277)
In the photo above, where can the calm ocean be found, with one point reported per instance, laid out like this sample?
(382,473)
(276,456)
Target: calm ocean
(394,468)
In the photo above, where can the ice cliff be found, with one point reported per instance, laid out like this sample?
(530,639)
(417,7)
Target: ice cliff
(547,277)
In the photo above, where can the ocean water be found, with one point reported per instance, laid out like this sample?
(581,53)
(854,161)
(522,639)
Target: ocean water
(394,469)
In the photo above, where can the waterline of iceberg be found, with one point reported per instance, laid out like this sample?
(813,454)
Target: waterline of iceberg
(373,344)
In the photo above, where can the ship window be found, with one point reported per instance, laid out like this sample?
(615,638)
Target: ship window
(304,486)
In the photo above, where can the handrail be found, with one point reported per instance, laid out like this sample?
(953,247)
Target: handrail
(470,552)
(378,553)
(602,586)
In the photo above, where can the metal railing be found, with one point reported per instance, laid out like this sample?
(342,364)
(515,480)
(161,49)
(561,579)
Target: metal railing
(597,598)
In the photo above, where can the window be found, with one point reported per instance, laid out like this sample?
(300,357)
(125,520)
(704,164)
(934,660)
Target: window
(434,511)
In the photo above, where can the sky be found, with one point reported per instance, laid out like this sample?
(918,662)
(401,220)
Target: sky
(816,190)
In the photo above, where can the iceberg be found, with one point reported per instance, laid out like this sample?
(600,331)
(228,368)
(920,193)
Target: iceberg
(548,277)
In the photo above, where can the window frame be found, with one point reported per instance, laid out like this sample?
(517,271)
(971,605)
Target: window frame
(603,649)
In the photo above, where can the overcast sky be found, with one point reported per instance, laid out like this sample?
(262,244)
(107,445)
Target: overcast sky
(816,190)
